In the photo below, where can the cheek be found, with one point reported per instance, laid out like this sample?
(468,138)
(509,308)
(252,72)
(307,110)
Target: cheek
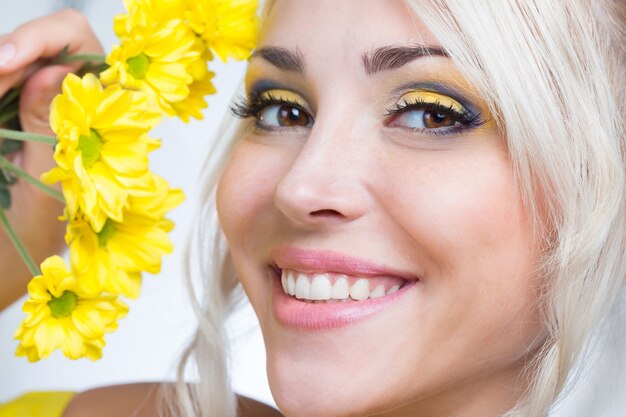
(455,206)
(246,210)
(464,222)
(246,189)
(453,193)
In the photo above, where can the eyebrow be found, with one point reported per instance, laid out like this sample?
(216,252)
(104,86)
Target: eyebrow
(281,58)
(392,57)
(380,59)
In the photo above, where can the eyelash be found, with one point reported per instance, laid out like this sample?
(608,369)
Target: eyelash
(251,107)
(467,119)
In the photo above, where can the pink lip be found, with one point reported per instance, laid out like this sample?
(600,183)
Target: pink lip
(304,260)
(308,316)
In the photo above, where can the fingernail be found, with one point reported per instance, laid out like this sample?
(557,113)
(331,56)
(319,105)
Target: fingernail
(7,52)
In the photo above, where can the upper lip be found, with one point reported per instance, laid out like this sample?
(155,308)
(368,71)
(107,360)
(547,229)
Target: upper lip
(320,260)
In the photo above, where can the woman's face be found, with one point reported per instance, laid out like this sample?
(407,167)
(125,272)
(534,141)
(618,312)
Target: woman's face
(373,182)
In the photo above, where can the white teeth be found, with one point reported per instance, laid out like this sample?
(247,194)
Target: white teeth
(378,292)
(360,290)
(283,281)
(321,288)
(318,287)
(303,287)
(291,284)
(393,289)
(341,289)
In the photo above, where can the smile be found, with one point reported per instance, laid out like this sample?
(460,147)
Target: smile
(329,287)
(316,290)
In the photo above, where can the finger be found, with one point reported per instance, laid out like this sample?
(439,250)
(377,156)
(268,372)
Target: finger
(43,38)
(34,106)
(38,92)
(35,100)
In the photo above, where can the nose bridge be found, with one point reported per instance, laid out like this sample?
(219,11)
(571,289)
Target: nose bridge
(327,178)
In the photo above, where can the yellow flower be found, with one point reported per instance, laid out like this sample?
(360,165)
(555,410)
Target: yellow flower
(60,316)
(201,87)
(102,149)
(112,260)
(228,27)
(153,11)
(156,53)
(195,101)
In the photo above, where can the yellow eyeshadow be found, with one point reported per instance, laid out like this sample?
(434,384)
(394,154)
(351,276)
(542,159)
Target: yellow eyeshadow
(424,96)
(283,95)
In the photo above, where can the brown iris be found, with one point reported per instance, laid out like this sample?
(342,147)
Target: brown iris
(291,116)
(429,110)
(433,120)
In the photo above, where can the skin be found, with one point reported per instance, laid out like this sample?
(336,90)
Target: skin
(33,213)
(440,207)
(142,400)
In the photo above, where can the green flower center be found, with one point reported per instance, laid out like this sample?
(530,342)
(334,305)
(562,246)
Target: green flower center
(64,305)
(138,66)
(105,234)
(90,147)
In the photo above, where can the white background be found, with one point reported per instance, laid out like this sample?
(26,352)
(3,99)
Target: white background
(149,340)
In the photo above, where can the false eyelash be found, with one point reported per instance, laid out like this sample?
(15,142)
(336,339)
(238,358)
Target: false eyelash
(251,106)
(466,118)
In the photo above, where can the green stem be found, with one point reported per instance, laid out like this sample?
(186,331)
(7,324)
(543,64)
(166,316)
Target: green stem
(7,116)
(67,59)
(6,164)
(11,96)
(28,137)
(32,267)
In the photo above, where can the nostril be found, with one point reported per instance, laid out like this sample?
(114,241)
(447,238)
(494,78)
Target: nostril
(326,213)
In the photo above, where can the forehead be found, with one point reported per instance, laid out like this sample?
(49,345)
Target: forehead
(352,27)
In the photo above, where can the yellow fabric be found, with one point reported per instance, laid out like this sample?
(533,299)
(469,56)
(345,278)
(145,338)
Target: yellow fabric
(37,404)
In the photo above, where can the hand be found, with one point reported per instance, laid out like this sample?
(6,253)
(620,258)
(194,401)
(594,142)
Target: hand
(33,214)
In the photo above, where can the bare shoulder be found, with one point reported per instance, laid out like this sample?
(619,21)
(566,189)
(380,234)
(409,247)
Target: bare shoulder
(136,400)
(143,400)
(252,408)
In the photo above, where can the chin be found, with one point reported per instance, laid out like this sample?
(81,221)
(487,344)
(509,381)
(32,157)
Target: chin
(296,397)
(324,382)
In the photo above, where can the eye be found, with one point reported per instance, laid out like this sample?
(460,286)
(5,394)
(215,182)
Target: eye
(429,112)
(424,119)
(275,109)
(283,115)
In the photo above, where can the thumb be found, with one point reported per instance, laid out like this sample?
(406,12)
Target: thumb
(38,92)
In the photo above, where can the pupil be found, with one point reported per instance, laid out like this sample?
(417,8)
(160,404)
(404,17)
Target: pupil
(439,118)
(291,116)
(434,120)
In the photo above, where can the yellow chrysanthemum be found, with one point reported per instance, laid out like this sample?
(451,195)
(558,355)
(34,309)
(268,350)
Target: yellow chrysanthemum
(113,259)
(102,149)
(156,54)
(228,27)
(147,12)
(199,89)
(196,100)
(60,316)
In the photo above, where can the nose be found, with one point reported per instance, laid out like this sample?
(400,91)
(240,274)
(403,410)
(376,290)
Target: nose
(327,182)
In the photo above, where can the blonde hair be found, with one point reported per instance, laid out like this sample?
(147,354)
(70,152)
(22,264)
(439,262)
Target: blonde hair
(553,73)
(553,76)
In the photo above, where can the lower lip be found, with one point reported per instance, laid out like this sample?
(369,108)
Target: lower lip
(302,315)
